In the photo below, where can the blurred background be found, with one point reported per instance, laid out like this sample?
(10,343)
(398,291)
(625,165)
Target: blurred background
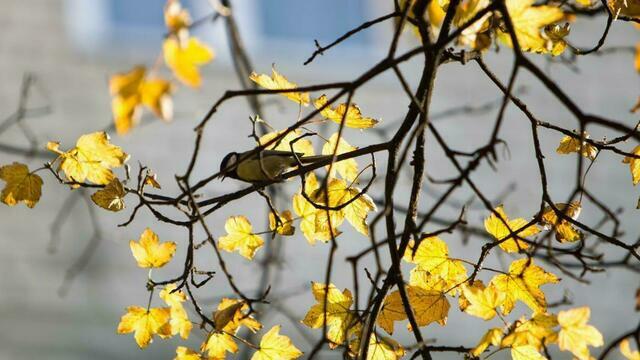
(63,289)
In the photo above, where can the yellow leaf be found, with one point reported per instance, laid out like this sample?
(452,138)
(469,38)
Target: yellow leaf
(575,335)
(155,94)
(302,145)
(474,36)
(496,227)
(232,314)
(285,227)
(279,82)
(111,197)
(339,194)
(240,237)
(384,348)
(428,306)
(352,119)
(528,21)
(625,350)
(126,113)
(175,17)
(151,179)
(338,316)
(565,231)
(522,283)
(536,332)
(307,212)
(526,352)
(624,7)
(556,44)
(22,185)
(132,89)
(348,168)
(218,344)
(92,159)
(184,58)
(570,144)
(483,302)
(392,310)
(491,337)
(149,252)
(144,324)
(184,353)
(432,256)
(127,84)
(634,165)
(276,346)
(179,318)
(424,279)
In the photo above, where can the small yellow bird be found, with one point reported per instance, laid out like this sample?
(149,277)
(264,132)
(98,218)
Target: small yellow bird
(263,166)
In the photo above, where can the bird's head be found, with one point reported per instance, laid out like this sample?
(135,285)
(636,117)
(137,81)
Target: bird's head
(229,165)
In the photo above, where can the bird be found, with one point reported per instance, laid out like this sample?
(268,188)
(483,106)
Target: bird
(263,166)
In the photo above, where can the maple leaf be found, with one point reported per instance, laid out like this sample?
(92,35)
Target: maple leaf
(179,318)
(570,144)
(491,337)
(526,352)
(555,35)
(428,306)
(384,348)
(21,185)
(149,252)
(432,256)
(575,335)
(218,344)
(338,316)
(278,82)
(303,146)
(483,301)
(232,314)
(240,237)
(276,346)
(176,17)
(528,21)
(536,332)
(285,228)
(522,283)
(111,197)
(496,227)
(348,168)
(565,231)
(352,115)
(307,213)
(476,35)
(145,324)
(229,317)
(625,350)
(92,159)
(634,165)
(184,353)
(339,194)
(132,89)
(184,58)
